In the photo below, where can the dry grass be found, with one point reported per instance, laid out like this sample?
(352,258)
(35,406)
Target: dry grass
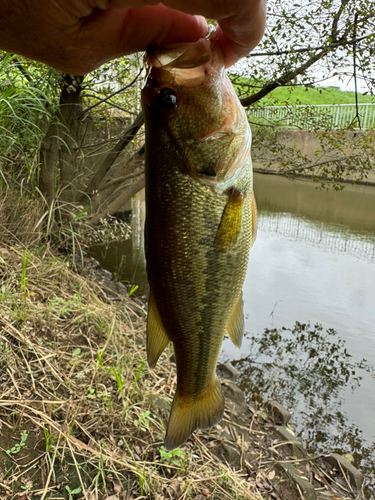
(27,221)
(18,218)
(81,414)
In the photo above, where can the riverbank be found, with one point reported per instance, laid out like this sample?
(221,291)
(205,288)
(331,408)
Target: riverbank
(83,416)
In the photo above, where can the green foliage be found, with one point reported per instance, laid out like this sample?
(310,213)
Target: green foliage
(71,493)
(18,446)
(25,110)
(173,457)
(143,422)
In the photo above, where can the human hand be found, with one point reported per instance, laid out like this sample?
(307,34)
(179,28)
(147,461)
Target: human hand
(77,36)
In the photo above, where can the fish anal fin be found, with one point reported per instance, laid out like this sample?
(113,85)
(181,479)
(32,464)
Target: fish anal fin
(157,338)
(189,414)
(230,223)
(254,219)
(236,323)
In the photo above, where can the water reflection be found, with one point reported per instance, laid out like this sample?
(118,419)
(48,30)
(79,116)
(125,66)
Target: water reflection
(307,369)
(353,207)
(313,261)
(126,259)
(328,236)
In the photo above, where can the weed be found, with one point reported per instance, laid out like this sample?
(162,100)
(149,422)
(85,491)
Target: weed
(143,422)
(137,378)
(91,393)
(119,383)
(140,473)
(173,457)
(61,307)
(71,493)
(24,280)
(48,439)
(133,289)
(18,446)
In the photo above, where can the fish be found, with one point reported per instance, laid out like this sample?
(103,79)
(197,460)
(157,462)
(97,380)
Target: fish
(200,222)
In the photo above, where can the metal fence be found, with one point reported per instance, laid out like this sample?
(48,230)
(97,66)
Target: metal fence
(334,116)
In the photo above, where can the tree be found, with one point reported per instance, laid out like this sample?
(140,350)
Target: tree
(82,143)
(305,44)
(86,124)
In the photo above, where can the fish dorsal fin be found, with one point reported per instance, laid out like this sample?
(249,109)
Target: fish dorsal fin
(236,323)
(254,219)
(157,338)
(230,223)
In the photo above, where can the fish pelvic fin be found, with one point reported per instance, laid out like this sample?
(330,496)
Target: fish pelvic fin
(236,323)
(157,338)
(230,223)
(254,219)
(189,414)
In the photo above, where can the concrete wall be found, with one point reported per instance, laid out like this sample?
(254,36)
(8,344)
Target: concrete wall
(308,142)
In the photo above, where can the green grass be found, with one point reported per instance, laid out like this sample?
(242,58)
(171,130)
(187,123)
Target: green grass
(317,95)
(299,94)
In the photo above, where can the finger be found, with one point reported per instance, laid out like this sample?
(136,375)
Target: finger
(132,4)
(238,37)
(113,33)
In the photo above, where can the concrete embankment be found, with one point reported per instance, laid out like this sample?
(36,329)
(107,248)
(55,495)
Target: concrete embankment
(316,146)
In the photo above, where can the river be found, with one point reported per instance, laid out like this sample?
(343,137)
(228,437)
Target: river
(309,303)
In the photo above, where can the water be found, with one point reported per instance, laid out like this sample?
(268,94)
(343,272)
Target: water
(313,263)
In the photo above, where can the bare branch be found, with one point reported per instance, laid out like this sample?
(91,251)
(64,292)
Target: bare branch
(100,101)
(342,43)
(127,192)
(319,164)
(117,181)
(290,75)
(111,157)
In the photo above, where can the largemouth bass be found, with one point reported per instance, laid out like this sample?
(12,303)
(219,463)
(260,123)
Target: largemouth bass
(200,222)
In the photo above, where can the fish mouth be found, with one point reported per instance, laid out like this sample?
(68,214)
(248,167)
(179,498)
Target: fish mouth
(187,63)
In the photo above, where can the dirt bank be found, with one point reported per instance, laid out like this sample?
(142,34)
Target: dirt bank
(82,415)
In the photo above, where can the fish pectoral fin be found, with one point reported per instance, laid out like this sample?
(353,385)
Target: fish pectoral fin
(236,323)
(157,338)
(191,413)
(254,219)
(230,223)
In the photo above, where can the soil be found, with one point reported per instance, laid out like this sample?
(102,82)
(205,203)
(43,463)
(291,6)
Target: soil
(82,416)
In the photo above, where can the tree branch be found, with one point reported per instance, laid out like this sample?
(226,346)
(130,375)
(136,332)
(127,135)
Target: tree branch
(16,62)
(319,164)
(310,49)
(290,75)
(284,79)
(127,192)
(112,95)
(111,157)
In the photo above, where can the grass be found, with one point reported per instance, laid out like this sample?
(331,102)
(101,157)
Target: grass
(81,412)
(317,95)
(299,94)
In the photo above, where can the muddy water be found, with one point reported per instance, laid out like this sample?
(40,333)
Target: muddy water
(309,302)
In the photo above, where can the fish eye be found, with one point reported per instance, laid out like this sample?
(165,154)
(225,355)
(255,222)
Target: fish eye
(166,99)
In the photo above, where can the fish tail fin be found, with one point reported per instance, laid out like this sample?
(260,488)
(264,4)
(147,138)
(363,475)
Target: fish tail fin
(189,414)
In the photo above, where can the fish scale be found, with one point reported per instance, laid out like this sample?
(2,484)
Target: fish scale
(199,226)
